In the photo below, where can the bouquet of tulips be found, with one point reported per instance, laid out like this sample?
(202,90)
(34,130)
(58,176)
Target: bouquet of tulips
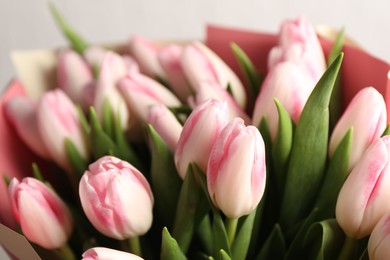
(161,151)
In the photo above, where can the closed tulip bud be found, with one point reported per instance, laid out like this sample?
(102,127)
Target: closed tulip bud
(379,242)
(199,134)
(364,198)
(165,124)
(236,169)
(42,215)
(201,64)
(74,74)
(21,113)
(58,120)
(116,198)
(298,43)
(366,114)
(113,69)
(145,53)
(102,253)
(214,90)
(287,83)
(140,92)
(170,60)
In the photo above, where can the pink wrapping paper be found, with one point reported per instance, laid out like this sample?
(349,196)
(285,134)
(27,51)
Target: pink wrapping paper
(359,70)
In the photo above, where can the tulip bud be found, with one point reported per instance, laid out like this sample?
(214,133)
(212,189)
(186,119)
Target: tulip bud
(170,60)
(201,64)
(145,53)
(379,242)
(113,69)
(102,253)
(116,198)
(298,43)
(165,124)
(57,119)
(214,90)
(364,197)
(141,92)
(94,55)
(21,111)
(366,114)
(287,83)
(199,134)
(42,215)
(237,163)
(74,74)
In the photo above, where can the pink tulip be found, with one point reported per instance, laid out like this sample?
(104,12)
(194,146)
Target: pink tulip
(21,112)
(366,114)
(102,253)
(201,64)
(116,198)
(298,43)
(140,92)
(94,55)
(113,69)
(290,86)
(165,124)
(364,198)
(236,169)
(199,134)
(74,74)
(170,60)
(43,217)
(214,90)
(145,53)
(379,242)
(57,120)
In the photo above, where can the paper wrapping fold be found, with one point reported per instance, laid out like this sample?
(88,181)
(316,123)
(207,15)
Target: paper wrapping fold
(36,72)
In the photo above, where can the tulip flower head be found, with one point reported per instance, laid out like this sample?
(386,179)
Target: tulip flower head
(366,114)
(102,253)
(42,215)
(116,198)
(236,169)
(57,120)
(165,124)
(363,199)
(199,134)
(379,242)
(202,64)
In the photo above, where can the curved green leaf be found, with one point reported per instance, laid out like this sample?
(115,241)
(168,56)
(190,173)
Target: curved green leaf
(169,247)
(243,237)
(309,151)
(274,247)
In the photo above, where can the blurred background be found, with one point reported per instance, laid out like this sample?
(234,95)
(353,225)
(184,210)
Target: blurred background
(29,25)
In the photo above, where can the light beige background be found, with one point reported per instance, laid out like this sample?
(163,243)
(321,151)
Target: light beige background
(28,24)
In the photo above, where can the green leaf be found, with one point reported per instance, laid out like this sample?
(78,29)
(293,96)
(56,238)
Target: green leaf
(274,247)
(165,180)
(6,180)
(77,42)
(335,176)
(79,164)
(309,151)
(295,249)
(335,105)
(324,240)
(169,247)
(387,130)
(264,130)
(101,143)
(252,76)
(229,89)
(220,237)
(108,121)
(243,237)
(224,256)
(204,232)
(37,173)
(282,147)
(83,121)
(188,210)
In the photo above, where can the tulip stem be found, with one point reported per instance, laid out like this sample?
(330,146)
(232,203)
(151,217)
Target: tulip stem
(349,249)
(66,252)
(135,246)
(231,227)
